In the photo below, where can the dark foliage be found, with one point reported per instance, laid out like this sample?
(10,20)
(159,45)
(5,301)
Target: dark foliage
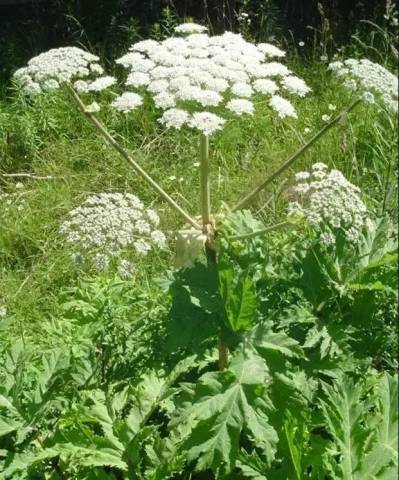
(30,26)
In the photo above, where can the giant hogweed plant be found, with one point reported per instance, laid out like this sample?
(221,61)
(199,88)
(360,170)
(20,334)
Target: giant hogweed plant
(257,417)
(200,82)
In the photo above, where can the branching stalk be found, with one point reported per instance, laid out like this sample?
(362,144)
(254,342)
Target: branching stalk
(205,196)
(138,169)
(244,201)
(246,236)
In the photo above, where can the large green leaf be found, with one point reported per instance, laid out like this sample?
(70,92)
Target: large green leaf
(251,466)
(265,340)
(239,298)
(76,456)
(223,406)
(343,412)
(8,425)
(382,454)
(364,434)
(195,308)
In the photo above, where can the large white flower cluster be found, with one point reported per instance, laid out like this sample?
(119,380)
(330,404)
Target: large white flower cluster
(110,226)
(196,78)
(49,70)
(369,76)
(329,203)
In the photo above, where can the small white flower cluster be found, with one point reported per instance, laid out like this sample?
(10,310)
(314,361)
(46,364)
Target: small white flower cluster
(110,225)
(12,202)
(329,203)
(50,69)
(368,76)
(188,76)
(127,101)
(3,312)
(190,28)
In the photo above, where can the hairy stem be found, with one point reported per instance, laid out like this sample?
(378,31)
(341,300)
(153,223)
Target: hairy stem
(244,201)
(208,228)
(223,354)
(138,169)
(205,196)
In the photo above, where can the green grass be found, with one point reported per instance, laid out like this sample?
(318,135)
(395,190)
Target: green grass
(50,137)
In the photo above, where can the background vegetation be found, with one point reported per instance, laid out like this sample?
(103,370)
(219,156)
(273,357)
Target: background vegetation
(106,26)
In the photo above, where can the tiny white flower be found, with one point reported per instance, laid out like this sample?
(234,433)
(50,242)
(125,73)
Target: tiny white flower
(332,107)
(325,118)
(301,43)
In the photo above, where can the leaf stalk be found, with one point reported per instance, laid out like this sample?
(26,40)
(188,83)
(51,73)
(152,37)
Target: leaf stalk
(244,201)
(136,167)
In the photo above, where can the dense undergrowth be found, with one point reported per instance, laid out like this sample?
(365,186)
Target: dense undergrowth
(106,378)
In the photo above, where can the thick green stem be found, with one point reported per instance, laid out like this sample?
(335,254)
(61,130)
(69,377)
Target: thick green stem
(244,201)
(104,132)
(223,354)
(209,230)
(246,236)
(205,195)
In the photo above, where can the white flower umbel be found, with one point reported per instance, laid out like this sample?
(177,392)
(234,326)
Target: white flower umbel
(174,118)
(101,83)
(282,106)
(240,106)
(198,73)
(127,101)
(206,122)
(51,69)
(295,85)
(329,203)
(365,75)
(125,269)
(108,227)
